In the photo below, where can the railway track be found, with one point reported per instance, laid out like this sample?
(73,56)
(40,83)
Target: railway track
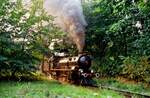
(126,93)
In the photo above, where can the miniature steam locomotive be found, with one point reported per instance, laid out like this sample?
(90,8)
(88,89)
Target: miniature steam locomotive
(74,70)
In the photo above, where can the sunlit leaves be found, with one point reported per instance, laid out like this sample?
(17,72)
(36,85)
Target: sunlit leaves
(24,37)
(124,25)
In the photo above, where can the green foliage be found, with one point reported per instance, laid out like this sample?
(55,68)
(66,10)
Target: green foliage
(137,68)
(24,37)
(123,84)
(109,67)
(117,29)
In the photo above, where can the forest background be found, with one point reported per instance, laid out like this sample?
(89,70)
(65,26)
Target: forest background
(117,36)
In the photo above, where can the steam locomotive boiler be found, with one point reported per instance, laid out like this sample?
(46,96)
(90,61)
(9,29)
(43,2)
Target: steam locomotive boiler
(76,69)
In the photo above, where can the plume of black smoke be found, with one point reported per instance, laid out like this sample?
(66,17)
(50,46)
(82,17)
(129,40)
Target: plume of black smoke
(68,16)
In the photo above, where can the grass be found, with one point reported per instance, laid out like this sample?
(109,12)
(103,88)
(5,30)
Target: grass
(51,89)
(127,85)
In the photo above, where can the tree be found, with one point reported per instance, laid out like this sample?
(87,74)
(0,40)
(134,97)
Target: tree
(24,37)
(117,29)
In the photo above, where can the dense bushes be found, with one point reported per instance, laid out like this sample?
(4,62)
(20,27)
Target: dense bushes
(23,38)
(118,31)
(137,68)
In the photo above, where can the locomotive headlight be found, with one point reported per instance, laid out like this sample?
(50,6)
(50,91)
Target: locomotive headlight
(73,67)
(81,70)
(92,71)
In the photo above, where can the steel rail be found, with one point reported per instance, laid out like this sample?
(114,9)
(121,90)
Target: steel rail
(126,93)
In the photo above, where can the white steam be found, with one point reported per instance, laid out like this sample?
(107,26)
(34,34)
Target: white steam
(68,16)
